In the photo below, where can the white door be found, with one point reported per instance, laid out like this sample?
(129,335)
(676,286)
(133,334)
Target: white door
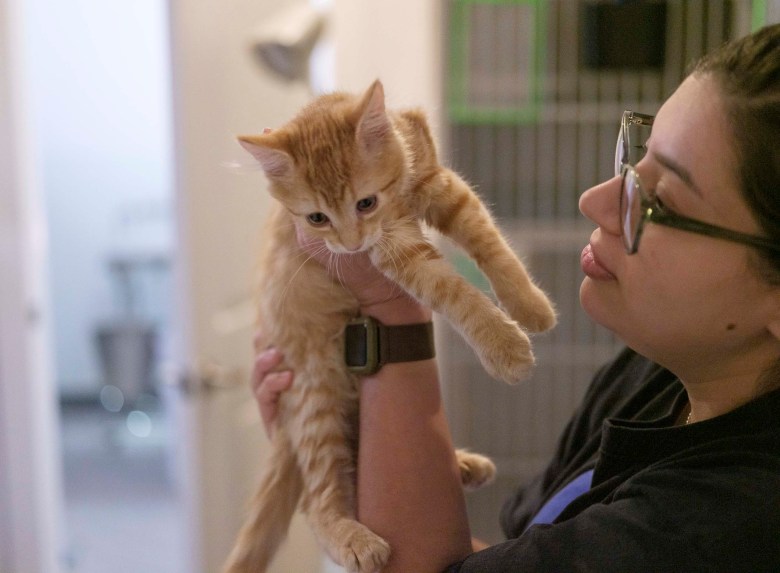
(30,499)
(220,91)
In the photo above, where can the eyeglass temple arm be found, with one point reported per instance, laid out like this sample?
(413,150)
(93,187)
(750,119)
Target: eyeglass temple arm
(683,223)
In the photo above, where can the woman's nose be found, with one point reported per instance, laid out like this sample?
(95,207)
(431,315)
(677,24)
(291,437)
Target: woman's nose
(601,204)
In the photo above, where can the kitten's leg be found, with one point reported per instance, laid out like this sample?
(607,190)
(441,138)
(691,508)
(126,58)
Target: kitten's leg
(475,470)
(459,214)
(503,348)
(270,511)
(327,462)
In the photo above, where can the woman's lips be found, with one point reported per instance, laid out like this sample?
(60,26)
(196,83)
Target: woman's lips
(591,266)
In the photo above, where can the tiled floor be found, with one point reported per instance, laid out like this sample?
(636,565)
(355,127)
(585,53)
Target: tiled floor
(121,511)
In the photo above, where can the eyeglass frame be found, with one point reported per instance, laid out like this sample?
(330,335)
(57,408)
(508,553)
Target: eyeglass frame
(651,210)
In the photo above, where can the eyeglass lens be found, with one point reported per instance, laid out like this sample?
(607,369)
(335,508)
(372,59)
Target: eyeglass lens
(630,208)
(631,147)
(620,151)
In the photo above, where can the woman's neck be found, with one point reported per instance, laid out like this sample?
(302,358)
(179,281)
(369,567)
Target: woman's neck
(714,393)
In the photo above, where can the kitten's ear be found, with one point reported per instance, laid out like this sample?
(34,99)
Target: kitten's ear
(275,162)
(374,125)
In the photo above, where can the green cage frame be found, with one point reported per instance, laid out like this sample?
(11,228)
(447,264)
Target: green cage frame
(459,108)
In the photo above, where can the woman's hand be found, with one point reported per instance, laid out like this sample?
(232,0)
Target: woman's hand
(377,295)
(267,386)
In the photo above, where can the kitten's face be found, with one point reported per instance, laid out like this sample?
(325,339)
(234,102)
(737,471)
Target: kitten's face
(350,219)
(339,168)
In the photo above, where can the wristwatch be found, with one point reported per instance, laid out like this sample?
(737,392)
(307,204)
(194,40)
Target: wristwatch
(369,344)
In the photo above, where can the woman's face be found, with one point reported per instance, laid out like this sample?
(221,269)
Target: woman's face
(687,301)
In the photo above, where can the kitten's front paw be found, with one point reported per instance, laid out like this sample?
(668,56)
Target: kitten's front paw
(475,470)
(532,311)
(363,551)
(506,353)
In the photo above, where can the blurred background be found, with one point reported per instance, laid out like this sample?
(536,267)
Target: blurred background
(129,223)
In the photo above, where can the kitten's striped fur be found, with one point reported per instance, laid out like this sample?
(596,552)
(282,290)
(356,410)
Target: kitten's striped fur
(339,150)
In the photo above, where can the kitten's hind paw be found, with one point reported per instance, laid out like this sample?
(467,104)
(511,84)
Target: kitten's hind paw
(362,551)
(475,470)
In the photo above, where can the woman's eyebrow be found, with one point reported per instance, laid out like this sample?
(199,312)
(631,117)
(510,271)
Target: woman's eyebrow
(682,173)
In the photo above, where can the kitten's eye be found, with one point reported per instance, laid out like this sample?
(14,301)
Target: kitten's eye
(317,219)
(367,204)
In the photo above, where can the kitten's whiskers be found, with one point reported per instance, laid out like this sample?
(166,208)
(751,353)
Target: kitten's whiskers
(334,267)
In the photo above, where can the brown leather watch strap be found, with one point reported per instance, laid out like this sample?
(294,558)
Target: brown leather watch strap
(406,342)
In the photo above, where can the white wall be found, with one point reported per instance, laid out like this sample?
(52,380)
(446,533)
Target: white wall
(220,92)
(397,41)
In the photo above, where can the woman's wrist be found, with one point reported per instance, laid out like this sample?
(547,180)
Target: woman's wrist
(398,310)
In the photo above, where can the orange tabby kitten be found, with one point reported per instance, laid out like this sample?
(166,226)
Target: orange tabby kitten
(362,178)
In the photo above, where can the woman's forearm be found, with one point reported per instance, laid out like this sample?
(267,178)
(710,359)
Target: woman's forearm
(409,488)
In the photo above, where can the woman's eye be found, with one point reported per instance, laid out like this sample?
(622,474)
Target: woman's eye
(366,204)
(662,207)
(317,219)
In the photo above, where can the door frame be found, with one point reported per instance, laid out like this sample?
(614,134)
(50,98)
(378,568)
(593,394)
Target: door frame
(31,513)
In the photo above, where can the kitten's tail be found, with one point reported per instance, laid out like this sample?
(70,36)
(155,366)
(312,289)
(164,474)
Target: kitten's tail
(271,511)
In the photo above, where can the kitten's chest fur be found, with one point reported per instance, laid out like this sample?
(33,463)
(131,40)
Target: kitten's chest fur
(299,304)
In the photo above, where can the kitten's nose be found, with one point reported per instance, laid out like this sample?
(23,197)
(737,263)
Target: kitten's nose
(351,242)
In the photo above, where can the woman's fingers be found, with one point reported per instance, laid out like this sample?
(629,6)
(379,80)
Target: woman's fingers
(259,342)
(268,386)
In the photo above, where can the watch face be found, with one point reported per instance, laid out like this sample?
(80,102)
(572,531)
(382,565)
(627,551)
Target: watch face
(356,345)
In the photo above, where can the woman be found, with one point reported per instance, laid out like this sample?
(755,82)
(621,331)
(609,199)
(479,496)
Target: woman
(672,463)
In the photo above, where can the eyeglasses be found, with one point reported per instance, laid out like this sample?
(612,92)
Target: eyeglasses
(638,206)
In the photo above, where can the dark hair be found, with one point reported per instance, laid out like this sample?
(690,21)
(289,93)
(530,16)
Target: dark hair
(748,72)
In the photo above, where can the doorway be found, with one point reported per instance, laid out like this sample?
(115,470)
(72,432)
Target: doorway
(100,83)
